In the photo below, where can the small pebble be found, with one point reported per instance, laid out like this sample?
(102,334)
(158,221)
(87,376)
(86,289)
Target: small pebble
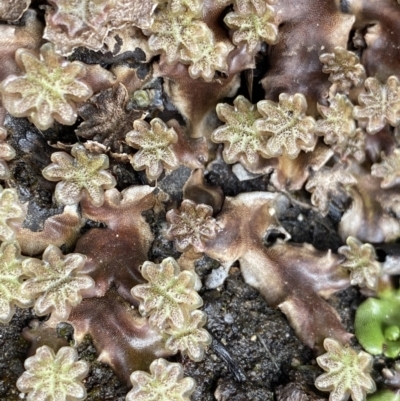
(228,318)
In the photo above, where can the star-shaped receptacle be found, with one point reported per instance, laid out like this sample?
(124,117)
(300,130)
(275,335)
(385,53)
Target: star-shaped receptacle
(7,152)
(56,282)
(191,339)
(204,55)
(154,142)
(252,28)
(379,105)
(164,383)
(191,225)
(11,213)
(169,295)
(344,68)
(242,140)
(79,175)
(48,90)
(388,169)
(51,376)
(348,372)
(168,32)
(11,279)
(83,22)
(337,124)
(286,125)
(361,260)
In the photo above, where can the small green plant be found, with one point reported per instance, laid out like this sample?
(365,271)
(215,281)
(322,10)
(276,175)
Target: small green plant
(377,324)
(385,395)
